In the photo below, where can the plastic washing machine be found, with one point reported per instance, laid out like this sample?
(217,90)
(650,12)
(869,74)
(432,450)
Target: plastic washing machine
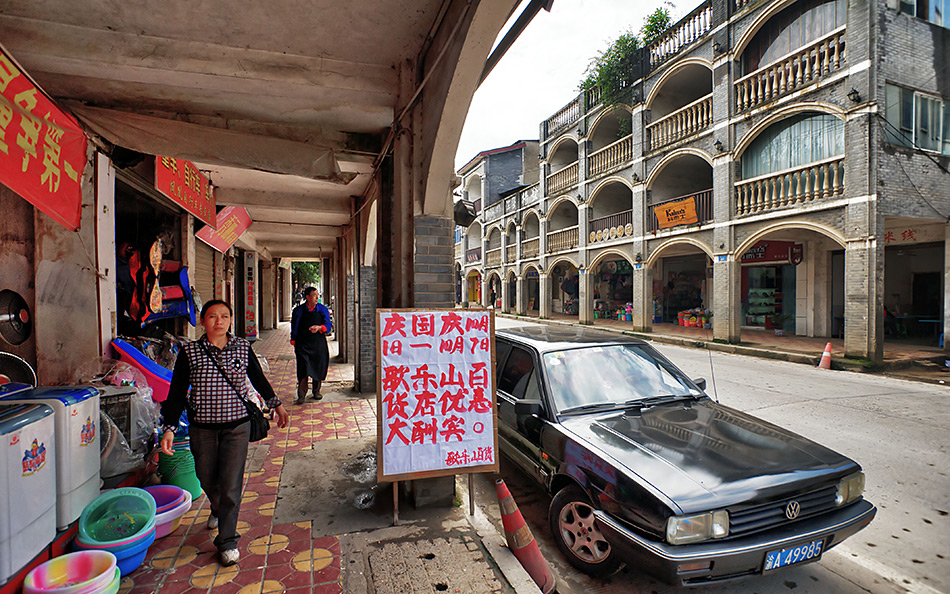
(76,410)
(27,484)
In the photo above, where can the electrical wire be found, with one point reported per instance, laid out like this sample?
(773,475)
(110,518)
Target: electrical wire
(881,119)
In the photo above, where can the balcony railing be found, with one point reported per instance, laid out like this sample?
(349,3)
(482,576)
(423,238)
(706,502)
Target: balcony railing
(740,4)
(794,70)
(473,255)
(530,248)
(611,226)
(814,181)
(565,239)
(493,258)
(691,28)
(683,122)
(704,207)
(593,96)
(567,115)
(611,156)
(561,180)
(511,254)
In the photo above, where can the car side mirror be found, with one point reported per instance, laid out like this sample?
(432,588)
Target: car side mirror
(700,382)
(526,408)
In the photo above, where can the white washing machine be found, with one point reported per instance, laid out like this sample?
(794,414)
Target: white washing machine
(76,411)
(27,484)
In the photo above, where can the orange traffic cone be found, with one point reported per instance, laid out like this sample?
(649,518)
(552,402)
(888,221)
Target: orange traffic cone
(825,362)
(521,541)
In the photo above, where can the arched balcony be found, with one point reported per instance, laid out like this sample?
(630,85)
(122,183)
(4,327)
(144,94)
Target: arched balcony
(563,233)
(681,106)
(511,244)
(531,246)
(794,48)
(563,162)
(611,143)
(473,191)
(681,194)
(493,255)
(798,159)
(473,243)
(610,213)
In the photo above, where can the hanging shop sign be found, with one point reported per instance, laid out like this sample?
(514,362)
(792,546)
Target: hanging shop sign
(774,252)
(436,393)
(250,295)
(232,222)
(181,181)
(671,214)
(42,149)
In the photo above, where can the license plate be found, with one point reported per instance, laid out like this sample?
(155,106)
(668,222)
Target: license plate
(799,554)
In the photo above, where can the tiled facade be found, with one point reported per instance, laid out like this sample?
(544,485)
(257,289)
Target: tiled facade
(702,105)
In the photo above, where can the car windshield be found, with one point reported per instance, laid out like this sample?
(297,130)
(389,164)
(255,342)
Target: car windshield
(625,375)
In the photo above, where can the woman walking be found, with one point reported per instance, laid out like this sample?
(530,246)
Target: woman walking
(217,366)
(309,325)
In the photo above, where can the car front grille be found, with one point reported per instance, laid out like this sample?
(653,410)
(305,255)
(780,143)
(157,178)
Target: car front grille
(748,519)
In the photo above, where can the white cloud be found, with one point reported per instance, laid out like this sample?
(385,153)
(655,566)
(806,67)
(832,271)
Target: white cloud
(541,71)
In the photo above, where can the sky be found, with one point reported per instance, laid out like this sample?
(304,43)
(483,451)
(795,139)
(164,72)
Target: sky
(541,72)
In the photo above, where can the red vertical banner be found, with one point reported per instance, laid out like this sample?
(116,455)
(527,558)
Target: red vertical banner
(436,393)
(42,149)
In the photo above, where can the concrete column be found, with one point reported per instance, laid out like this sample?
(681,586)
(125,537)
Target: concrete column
(250,293)
(188,259)
(863,300)
(268,299)
(519,237)
(583,213)
(544,288)
(486,290)
(520,298)
(105,251)
(433,262)
(504,296)
(366,378)
(727,287)
(464,288)
(946,291)
(642,298)
(286,295)
(585,313)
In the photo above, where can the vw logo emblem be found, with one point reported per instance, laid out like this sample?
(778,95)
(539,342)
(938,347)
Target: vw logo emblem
(792,510)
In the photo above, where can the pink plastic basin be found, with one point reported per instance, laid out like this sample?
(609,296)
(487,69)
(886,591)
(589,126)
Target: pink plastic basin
(166,497)
(83,572)
(169,521)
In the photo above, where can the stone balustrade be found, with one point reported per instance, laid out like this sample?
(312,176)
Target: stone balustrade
(613,155)
(493,258)
(562,240)
(797,185)
(683,122)
(530,248)
(691,28)
(561,180)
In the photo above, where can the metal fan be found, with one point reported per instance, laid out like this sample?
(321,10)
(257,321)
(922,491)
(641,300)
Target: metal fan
(16,369)
(15,320)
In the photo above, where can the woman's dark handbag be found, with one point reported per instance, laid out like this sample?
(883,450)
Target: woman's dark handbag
(259,423)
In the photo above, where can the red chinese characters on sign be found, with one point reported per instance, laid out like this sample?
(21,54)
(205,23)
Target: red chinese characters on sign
(42,149)
(232,222)
(436,391)
(181,181)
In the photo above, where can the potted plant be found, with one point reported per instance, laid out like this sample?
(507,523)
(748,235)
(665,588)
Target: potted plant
(778,322)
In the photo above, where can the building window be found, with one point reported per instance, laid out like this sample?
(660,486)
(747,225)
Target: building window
(792,142)
(916,119)
(934,11)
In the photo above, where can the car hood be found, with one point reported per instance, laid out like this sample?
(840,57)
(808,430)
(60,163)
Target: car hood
(702,455)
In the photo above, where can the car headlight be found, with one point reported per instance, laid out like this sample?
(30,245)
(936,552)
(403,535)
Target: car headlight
(689,529)
(850,488)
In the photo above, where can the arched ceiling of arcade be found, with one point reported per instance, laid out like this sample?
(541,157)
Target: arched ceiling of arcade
(286,106)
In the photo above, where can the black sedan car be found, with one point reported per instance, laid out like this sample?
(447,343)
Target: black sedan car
(644,468)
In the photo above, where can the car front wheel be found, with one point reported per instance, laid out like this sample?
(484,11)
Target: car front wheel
(572,522)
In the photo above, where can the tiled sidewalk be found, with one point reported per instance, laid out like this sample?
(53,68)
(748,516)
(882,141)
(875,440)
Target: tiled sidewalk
(275,558)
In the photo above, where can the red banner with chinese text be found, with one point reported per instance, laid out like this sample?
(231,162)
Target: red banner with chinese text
(232,222)
(42,149)
(181,181)
(436,393)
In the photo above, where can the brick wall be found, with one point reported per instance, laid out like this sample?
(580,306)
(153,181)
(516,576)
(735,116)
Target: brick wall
(433,284)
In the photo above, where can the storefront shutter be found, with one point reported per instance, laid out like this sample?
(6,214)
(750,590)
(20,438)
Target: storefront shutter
(204,270)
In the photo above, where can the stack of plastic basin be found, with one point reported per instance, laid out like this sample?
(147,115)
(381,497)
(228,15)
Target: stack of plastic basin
(171,504)
(85,572)
(179,468)
(122,522)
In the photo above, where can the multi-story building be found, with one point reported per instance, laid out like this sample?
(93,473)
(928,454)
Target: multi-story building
(781,164)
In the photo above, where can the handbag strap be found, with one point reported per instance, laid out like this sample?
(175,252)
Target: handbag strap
(247,403)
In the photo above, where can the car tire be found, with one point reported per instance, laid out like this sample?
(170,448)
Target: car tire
(571,518)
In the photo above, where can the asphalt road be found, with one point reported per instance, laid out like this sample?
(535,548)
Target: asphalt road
(897,430)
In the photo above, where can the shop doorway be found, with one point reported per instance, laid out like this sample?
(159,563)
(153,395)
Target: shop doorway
(494,291)
(532,291)
(564,290)
(680,290)
(512,292)
(613,291)
(474,288)
(913,292)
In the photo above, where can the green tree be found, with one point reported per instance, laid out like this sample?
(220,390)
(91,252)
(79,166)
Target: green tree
(655,25)
(305,274)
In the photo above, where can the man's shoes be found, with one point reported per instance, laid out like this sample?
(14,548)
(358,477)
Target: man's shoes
(317,396)
(229,557)
(212,522)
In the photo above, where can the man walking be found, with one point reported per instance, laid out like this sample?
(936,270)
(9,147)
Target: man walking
(309,325)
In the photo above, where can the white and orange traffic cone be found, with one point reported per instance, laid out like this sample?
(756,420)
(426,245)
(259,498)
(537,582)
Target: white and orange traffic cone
(521,541)
(825,362)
